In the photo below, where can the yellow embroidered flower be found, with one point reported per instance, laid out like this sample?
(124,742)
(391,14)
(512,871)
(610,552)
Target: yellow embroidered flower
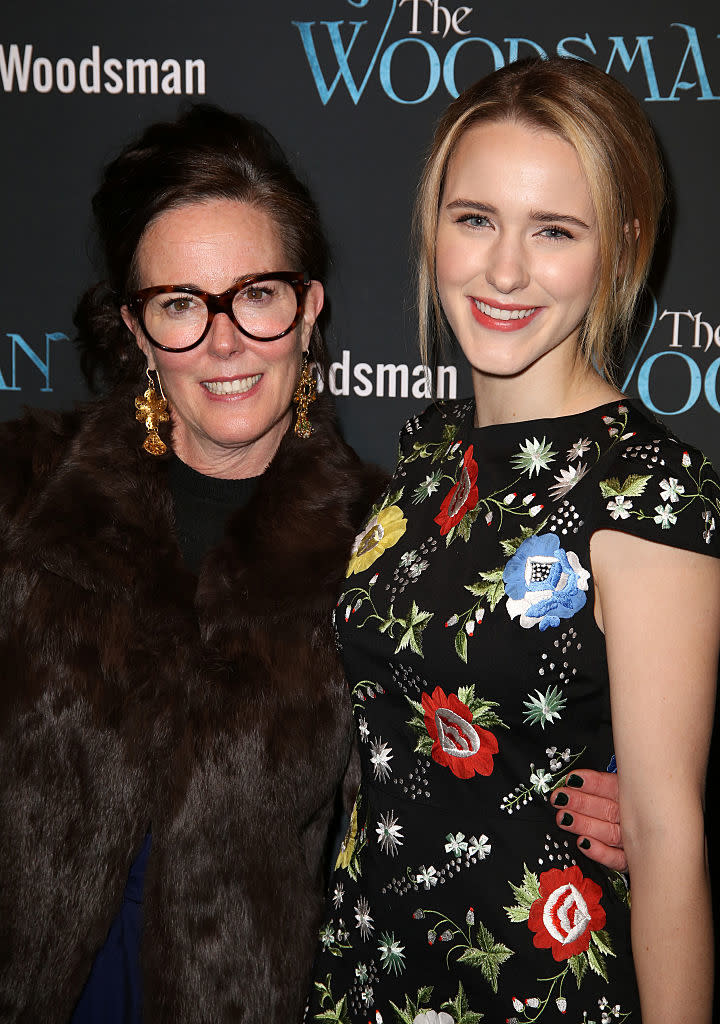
(383,530)
(348,844)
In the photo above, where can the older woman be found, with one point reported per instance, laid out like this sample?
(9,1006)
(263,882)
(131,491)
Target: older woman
(167,651)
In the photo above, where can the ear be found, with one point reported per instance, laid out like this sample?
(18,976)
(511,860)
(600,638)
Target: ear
(141,341)
(636,226)
(314,302)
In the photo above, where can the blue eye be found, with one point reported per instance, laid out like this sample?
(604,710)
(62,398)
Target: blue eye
(474,220)
(555,232)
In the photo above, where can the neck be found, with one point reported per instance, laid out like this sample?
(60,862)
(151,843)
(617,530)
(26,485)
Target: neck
(232,461)
(531,395)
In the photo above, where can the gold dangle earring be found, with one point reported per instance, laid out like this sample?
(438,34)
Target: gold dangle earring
(152,410)
(305,394)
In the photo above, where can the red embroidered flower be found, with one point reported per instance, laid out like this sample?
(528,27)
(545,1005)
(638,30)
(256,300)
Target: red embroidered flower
(462,498)
(566,913)
(459,745)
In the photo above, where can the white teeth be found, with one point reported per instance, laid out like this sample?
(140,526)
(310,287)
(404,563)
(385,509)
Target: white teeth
(504,314)
(231,387)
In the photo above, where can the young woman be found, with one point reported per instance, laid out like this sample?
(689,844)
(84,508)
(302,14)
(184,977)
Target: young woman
(533,591)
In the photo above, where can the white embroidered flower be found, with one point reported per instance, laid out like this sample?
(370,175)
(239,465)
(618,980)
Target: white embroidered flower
(427,876)
(536,509)
(363,918)
(389,833)
(670,490)
(338,894)
(541,781)
(429,485)
(391,953)
(561,1003)
(417,568)
(533,1002)
(578,449)
(363,729)
(665,516)
(367,995)
(431,1017)
(686,460)
(533,456)
(361,973)
(709,521)
(455,844)
(327,936)
(566,480)
(380,758)
(479,848)
(618,507)
(408,558)
(517,1004)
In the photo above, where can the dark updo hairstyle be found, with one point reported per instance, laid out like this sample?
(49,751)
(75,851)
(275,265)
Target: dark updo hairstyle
(205,154)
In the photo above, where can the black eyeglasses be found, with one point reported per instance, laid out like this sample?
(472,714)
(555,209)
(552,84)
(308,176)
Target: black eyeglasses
(263,307)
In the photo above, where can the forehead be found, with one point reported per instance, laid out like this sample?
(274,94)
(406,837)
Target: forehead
(508,162)
(206,242)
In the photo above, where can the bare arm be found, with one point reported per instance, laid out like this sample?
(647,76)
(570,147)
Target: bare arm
(660,610)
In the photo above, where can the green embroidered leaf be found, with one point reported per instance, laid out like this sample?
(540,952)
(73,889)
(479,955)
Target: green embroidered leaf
(449,536)
(610,488)
(528,891)
(483,715)
(424,745)
(464,528)
(511,545)
(423,996)
(602,941)
(417,706)
(461,642)
(596,961)
(413,625)
(517,914)
(620,888)
(633,486)
(579,966)
(466,694)
(335,1013)
(406,1016)
(489,956)
(460,1010)
(491,587)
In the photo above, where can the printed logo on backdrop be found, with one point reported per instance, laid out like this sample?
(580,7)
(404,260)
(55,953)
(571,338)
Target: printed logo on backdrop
(415,47)
(389,380)
(26,367)
(24,70)
(677,363)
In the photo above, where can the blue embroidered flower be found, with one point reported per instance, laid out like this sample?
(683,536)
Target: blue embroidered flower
(544,583)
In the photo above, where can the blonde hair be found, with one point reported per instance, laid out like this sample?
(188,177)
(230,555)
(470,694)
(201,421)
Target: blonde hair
(619,156)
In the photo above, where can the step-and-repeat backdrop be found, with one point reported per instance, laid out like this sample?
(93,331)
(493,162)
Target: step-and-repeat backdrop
(351,88)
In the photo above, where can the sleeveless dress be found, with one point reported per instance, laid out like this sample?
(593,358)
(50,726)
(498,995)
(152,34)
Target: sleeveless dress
(479,682)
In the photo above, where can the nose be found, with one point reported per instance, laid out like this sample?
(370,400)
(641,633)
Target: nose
(508,268)
(224,339)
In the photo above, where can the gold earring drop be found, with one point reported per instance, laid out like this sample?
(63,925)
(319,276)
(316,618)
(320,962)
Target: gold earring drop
(305,393)
(152,410)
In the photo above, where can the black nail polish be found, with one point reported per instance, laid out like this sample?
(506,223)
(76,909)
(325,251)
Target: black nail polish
(560,799)
(575,781)
(567,819)
(584,844)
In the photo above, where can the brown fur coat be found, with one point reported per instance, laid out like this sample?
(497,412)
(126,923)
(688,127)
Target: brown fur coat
(135,696)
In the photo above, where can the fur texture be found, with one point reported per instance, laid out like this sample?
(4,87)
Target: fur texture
(134,695)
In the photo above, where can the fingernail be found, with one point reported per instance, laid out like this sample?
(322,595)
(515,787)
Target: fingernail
(567,819)
(560,799)
(575,781)
(584,844)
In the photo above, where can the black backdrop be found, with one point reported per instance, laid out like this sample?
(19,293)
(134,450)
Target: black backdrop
(351,89)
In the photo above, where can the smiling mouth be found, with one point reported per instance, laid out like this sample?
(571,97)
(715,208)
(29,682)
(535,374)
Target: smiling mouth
(231,387)
(496,313)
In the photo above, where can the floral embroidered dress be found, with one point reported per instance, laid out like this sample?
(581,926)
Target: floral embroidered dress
(479,681)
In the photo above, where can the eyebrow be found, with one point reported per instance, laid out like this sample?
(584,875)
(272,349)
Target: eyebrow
(539,216)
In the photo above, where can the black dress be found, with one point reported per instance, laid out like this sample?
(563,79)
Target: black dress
(479,681)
